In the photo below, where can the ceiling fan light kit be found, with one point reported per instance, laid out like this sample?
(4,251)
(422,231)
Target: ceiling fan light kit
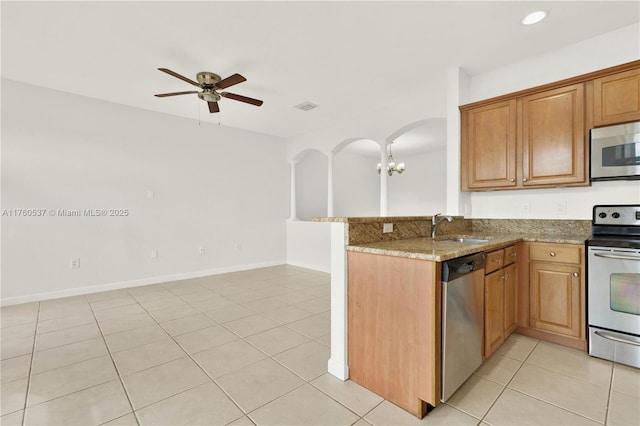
(211,83)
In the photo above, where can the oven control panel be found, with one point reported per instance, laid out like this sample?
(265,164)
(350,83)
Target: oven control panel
(625,215)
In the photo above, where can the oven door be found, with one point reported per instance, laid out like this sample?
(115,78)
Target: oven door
(614,289)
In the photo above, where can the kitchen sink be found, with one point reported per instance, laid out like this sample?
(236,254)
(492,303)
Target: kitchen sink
(468,240)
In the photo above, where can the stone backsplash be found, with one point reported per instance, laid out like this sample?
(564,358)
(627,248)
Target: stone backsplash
(530,226)
(363,230)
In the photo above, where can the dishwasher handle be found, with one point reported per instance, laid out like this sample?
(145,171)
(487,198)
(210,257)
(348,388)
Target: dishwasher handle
(458,267)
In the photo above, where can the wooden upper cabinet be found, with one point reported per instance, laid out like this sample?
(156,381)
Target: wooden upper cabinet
(616,98)
(553,136)
(538,137)
(489,155)
(532,141)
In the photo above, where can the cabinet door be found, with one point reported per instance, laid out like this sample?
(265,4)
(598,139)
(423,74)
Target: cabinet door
(488,151)
(493,312)
(554,300)
(553,137)
(616,98)
(510,299)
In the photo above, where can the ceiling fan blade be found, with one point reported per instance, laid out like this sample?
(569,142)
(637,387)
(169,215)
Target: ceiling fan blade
(230,81)
(181,77)
(163,95)
(241,98)
(213,107)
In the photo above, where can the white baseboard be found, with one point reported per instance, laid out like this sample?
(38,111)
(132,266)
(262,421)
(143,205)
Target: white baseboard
(308,266)
(134,283)
(338,369)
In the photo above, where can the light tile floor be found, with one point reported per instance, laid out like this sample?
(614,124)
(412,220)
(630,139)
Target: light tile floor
(251,348)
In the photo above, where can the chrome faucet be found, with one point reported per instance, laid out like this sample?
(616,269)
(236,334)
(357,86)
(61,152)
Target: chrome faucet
(436,222)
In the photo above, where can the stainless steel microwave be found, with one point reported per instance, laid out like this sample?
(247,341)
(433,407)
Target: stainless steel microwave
(615,152)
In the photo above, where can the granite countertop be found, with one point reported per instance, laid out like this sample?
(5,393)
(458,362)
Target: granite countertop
(441,249)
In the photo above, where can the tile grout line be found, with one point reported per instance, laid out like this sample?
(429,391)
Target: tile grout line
(361,417)
(33,352)
(543,400)
(126,392)
(187,353)
(252,345)
(244,339)
(610,395)
(506,385)
(268,356)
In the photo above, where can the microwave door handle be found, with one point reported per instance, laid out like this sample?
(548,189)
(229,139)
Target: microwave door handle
(617,256)
(616,338)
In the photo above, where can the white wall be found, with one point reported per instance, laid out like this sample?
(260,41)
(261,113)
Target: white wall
(610,49)
(311,185)
(420,190)
(558,203)
(356,185)
(220,188)
(309,245)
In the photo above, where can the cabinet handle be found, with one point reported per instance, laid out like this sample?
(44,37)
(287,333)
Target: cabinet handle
(507,276)
(513,255)
(524,180)
(575,274)
(512,180)
(552,254)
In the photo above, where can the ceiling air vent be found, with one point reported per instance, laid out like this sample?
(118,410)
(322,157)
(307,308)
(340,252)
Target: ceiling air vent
(306,106)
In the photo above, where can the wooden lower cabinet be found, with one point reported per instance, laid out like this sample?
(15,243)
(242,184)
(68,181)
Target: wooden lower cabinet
(555,298)
(394,328)
(500,298)
(510,316)
(552,299)
(493,312)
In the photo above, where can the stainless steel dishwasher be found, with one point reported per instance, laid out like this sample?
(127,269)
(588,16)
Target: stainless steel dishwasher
(462,320)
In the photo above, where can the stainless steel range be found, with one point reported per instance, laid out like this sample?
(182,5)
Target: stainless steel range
(613,288)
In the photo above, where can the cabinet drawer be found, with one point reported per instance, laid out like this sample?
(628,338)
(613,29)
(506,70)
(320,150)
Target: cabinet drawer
(494,261)
(562,253)
(510,255)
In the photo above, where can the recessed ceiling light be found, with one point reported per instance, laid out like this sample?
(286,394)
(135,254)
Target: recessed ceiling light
(534,17)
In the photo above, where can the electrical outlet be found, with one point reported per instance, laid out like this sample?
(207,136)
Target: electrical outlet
(201,250)
(154,254)
(238,247)
(526,208)
(561,207)
(387,227)
(74,263)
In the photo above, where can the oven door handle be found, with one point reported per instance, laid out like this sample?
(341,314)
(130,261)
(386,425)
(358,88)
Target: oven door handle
(617,256)
(615,338)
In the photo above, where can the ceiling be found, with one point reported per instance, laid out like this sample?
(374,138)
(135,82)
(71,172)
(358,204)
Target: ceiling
(347,57)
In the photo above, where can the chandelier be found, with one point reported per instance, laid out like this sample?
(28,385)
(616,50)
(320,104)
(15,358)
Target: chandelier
(391,164)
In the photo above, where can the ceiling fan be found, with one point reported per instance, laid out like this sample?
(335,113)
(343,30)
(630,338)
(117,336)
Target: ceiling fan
(211,84)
